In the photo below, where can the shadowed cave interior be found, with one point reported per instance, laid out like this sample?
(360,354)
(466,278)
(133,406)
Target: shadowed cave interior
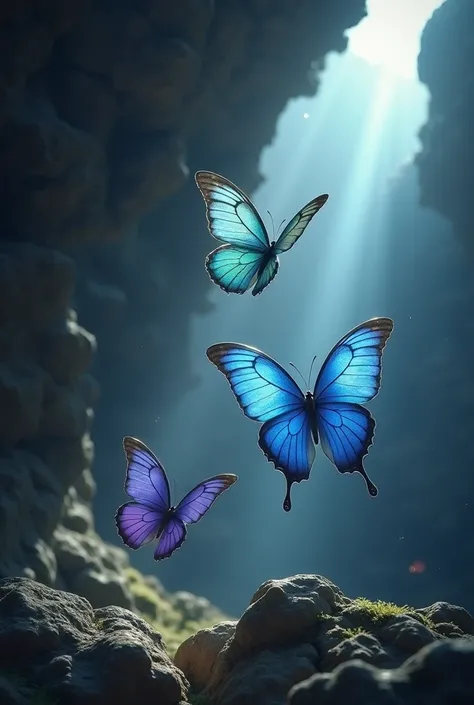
(106,310)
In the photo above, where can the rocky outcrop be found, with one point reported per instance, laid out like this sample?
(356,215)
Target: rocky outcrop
(54,648)
(445,65)
(304,638)
(300,641)
(106,110)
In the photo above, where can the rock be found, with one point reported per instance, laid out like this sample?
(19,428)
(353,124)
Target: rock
(87,102)
(55,642)
(441,612)
(102,588)
(440,674)
(197,654)
(190,19)
(57,176)
(364,647)
(448,76)
(268,678)
(36,285)
(145,168)
(21,392)
(407,633)
(297,636)
(66,352)
(91,567)
(194,608)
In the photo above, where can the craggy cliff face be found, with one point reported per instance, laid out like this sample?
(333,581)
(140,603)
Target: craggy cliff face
(107,109)
(445,163)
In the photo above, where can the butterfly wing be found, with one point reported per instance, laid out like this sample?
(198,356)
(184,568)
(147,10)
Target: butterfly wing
(351,376)
(296,227)
(346,432)
(267,393)
(263,389)
(137,524)
(196,503)
(231,215)
(233,269)
(267,274)
(146,480)
(171,538)
(140,521)
(288,443)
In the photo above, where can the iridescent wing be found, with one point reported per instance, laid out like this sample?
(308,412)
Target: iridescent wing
(200,499)
(288,443)
(233,269)
(267,393)
(297,225)
(191,508)
(351,376)
(263,389)
(137,524)
(171,537)
(140,521)
(231,215)
(146,480)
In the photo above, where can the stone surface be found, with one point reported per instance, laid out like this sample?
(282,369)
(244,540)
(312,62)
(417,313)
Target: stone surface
(301,635)
(444,163)
(55,647)
(55,644)
(440,674)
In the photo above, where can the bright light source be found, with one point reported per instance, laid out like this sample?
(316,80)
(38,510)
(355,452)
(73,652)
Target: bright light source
(390,34)
(306,116)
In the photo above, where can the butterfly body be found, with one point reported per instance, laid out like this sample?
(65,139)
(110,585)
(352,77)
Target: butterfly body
(293,422)
(150,516)
(248,258)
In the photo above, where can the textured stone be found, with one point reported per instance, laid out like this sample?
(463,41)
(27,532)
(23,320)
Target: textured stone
(440,674)
(58,644)
(445,160)
(297,636)
(196,656)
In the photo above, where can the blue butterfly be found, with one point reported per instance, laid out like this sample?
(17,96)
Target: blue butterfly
(293,422)
(248,257)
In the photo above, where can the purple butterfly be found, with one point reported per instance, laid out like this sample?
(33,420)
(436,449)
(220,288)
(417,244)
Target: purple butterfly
(151,515)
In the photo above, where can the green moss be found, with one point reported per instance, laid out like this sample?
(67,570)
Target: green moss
(380,611)
(349,633)
(99,623)
(157,611)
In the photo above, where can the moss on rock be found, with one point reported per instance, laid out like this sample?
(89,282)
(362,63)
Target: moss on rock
(154,605)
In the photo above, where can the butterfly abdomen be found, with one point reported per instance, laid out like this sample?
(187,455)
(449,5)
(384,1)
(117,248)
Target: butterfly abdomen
(311,411)
(267,270)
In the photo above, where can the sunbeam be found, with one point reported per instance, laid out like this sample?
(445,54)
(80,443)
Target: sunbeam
(389,36)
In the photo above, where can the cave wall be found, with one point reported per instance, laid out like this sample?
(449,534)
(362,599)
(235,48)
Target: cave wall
(445,177)
(107,109)
(445,66)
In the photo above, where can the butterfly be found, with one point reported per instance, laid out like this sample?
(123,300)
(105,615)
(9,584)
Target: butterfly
(293,422)
(151,516)
(248,258)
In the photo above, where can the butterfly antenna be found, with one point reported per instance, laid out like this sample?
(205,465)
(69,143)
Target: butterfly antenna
(304,380)
(283,221)
(311,368)
(273,224)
